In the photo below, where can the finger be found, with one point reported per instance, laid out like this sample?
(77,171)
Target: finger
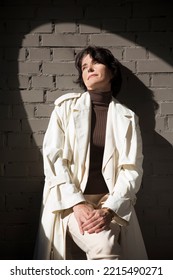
(92,223)
(92,227)
(97,229)
(80,226)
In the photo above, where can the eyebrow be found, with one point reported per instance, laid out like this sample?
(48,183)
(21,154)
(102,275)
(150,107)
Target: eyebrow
(83,65)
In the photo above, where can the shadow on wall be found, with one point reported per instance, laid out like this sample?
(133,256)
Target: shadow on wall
(21,171)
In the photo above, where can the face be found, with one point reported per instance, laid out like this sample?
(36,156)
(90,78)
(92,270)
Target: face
(96,76)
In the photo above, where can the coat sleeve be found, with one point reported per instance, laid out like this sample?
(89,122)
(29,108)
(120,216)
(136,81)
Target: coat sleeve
(59,188)
(129,176)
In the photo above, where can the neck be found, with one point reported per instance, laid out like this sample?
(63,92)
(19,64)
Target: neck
(101,98)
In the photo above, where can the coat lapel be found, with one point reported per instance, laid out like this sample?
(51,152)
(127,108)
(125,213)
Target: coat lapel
(117,126)
(82,120)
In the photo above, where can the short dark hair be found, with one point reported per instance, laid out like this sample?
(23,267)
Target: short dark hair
(104,56)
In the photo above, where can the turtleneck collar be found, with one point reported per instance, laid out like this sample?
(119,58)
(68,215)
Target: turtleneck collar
(101,98)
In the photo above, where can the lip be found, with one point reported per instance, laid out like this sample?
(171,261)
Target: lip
(92,75)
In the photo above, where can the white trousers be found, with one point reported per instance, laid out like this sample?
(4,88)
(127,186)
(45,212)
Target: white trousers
(97,246)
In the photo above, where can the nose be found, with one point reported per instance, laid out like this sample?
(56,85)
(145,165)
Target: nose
(90,68)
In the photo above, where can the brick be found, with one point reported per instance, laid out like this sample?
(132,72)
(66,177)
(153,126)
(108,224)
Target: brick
(42,82)
(117,52)
(37,139)
(167,137)
(165,200)
(17,140)
(17,26)
(148,231)
(16,169)
(26,68)
(1,54)
(89,27)
(61,13)
(39,54)
(35,169)
(148,167)
(63,54)
(66,82)
(1,169)
(98,2)
(22,184)
(3,81)
(162,80)
(23,111)
(149,39)
(160,49)
(160,124)
(32,96)
(154,66)
(23,68)
(159,153)
(135,53)
(170,123)
(2,27)
(20,155)
(53,95)
(163,232)
(61,68)
(166,108)
(162,184)
(2,140)
(2,234)
(15,217)
(21,233)
(156,215)
(113,25)
(163,94)
(161,24)
(137,24)
(171,213)
(144,78)
(11,40)
(67,40)
(65,27)
(152,10)
(108,40)
(2,204)
(108,11)
(8,97)
(5,111)
(130,65)
(15,54)
(16,13)
(31,3)
(43,110)
(10,125)
(63,4)
(35,125)
(20,82)
(146,200)
(38,26)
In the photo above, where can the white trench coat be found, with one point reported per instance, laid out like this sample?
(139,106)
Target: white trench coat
(66,150)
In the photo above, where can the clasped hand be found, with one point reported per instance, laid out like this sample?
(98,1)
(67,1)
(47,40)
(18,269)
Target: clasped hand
(90,219)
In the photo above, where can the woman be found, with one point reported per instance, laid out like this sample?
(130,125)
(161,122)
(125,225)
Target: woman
(92,154)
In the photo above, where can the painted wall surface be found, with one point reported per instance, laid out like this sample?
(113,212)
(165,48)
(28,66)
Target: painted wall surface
(38,44)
